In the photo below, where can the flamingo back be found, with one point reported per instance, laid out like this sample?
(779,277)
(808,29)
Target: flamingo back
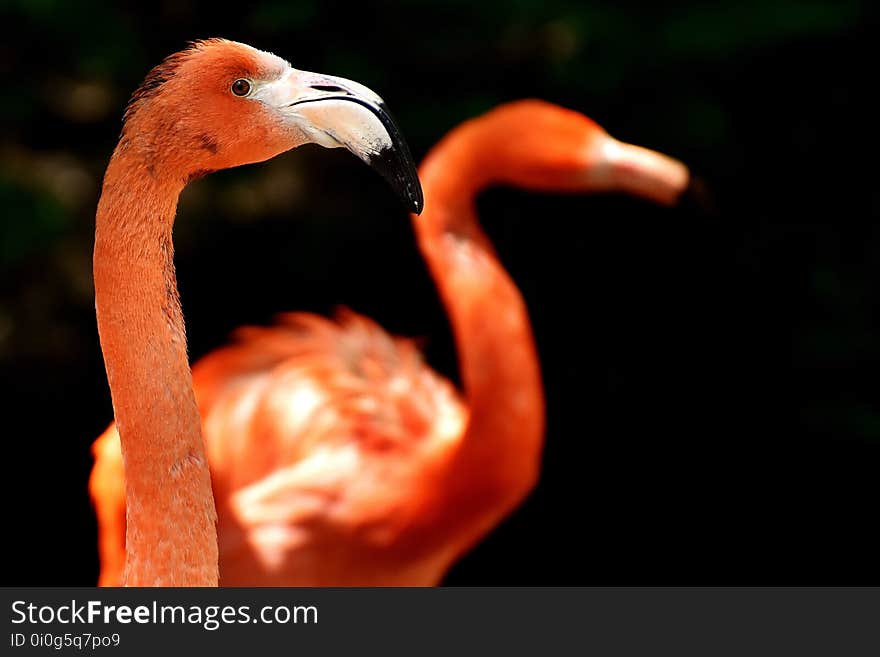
(325,438)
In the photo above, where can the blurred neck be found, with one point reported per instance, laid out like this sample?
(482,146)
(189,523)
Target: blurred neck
(171,537)
(497,462)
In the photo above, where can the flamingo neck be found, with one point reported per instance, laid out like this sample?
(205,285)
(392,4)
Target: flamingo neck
(497,462)
(171,537)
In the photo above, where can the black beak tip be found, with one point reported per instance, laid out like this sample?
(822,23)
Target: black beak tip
(698,197)
(416,198)
(396,165)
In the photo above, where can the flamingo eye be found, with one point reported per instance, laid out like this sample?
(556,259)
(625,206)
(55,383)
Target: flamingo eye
(241,87)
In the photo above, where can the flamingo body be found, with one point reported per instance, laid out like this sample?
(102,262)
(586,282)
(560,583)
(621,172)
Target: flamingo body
(320,432)
(215,105)
(337,456)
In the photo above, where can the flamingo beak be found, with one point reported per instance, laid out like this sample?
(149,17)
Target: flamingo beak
(651,175)
(698,196)
(641,172)
(335,112)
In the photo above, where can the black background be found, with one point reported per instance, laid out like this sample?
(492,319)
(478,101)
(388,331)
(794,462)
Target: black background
(711,386)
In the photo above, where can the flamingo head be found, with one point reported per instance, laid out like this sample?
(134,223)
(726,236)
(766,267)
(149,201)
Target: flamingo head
(537,145)
(220,104)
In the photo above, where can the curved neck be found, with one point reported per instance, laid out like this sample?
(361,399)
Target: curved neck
(498,460)
(171,537)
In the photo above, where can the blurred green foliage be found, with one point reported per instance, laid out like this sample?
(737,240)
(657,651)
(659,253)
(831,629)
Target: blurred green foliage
(44,223)
(631,64)
(439,61)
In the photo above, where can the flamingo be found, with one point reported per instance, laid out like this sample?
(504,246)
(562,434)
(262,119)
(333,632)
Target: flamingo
(215,105)
(338,457)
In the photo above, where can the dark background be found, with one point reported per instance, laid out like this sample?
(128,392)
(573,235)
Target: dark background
(712,392)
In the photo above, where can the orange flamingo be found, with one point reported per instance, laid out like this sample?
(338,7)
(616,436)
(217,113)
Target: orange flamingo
(338,457)
(214,105)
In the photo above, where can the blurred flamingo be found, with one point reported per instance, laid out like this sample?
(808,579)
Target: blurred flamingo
(338,457)
(214,105)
